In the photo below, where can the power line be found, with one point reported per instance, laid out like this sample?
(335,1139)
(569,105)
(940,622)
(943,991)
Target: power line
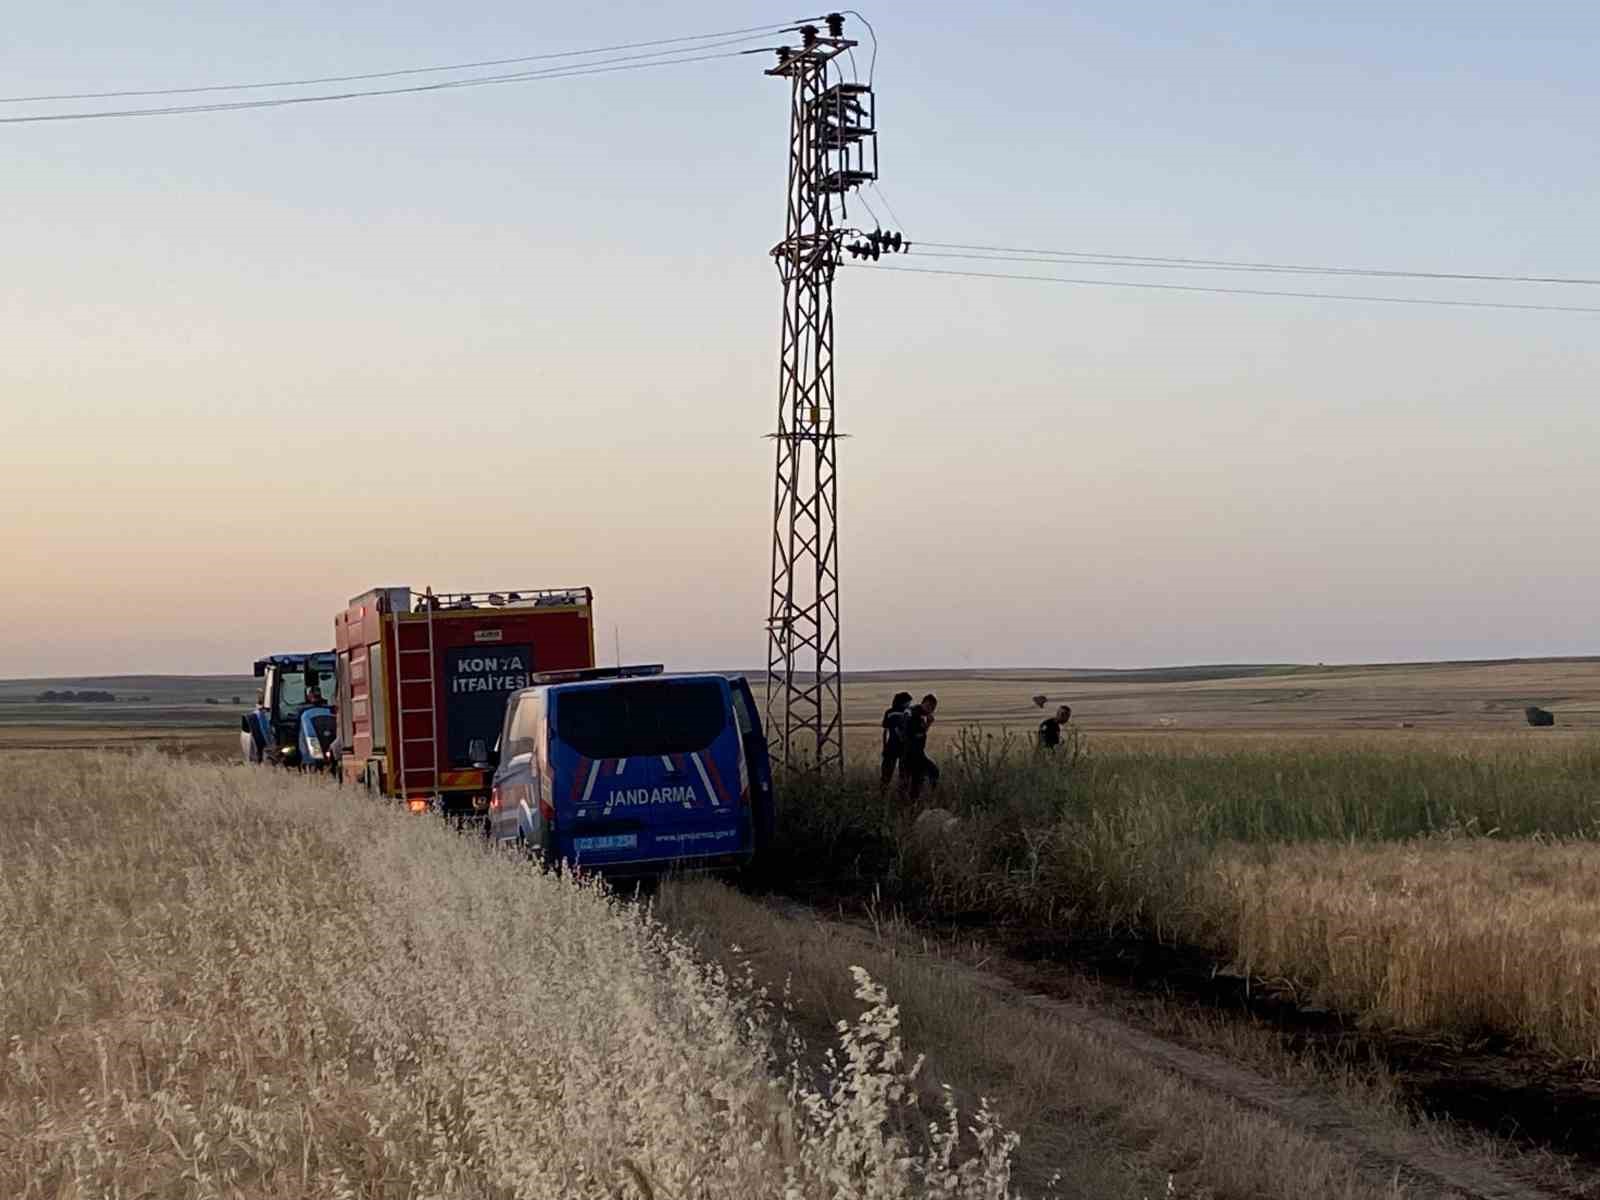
(1226,264)
(477,81)
(1182,287)
(872,65)
(1126,261)
(862,196)
(464,66)
(884,196)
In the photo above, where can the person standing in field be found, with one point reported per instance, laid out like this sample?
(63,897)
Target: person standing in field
(915,765)
(894,735)
(1050,728)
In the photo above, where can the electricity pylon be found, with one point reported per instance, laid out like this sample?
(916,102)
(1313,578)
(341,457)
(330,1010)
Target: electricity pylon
(832,150)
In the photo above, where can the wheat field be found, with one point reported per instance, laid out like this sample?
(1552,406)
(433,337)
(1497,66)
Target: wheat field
(1435,885)
(1477,936)
(224,982)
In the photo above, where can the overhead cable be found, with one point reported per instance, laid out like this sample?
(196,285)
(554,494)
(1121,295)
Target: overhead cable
(872,65)
(565,72)
(1225,264)
(1182,287)
(462,66)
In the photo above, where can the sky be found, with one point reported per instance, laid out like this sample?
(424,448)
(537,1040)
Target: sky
(254,363)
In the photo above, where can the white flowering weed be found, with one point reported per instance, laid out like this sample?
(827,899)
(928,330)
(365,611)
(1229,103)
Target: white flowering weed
(237,983)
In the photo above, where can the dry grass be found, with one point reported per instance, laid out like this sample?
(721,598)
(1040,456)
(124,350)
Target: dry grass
(1467,935)
(220,982)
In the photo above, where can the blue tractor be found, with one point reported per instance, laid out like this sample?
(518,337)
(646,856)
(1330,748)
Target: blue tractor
(292,724)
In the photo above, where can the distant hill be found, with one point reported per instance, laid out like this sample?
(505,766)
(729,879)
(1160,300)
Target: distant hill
(165,690)
(1195,673)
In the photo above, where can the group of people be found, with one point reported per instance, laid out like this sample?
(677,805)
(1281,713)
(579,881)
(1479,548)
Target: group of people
(905,741)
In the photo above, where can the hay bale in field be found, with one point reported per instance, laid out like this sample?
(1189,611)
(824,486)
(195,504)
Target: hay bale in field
(1039,700)
(1538,717)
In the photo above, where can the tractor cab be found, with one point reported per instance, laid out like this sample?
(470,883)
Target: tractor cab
(292,723)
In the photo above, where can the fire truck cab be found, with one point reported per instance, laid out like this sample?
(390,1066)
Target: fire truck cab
(423,678)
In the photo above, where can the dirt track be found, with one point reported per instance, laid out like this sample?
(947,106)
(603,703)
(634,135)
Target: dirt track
(1426,1167)
(1412,1156)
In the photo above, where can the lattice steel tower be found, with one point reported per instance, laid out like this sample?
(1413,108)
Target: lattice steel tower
(832,150)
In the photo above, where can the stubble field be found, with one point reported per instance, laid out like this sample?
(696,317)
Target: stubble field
(1258,703)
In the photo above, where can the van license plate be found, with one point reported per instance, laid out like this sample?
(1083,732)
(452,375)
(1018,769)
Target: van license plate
(616,841)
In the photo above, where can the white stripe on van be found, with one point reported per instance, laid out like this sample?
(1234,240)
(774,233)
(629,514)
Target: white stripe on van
(666,762)
(716,800)
(588,788)
(621,762)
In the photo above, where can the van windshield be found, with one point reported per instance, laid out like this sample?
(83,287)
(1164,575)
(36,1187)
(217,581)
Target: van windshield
(635,719)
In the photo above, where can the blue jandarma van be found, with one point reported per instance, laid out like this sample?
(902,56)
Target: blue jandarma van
(629,771)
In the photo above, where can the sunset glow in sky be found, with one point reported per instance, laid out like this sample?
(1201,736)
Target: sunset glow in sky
(255,363)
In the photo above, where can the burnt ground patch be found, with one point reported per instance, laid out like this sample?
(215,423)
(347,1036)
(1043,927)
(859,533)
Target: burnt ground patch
(1487,1083)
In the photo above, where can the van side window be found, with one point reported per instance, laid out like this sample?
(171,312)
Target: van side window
(524,727)
(741,714)
(505,730)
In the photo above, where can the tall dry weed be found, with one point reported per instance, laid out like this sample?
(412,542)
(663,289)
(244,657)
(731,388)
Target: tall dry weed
(231,982)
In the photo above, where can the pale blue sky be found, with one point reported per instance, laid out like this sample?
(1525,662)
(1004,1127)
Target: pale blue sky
(523,335)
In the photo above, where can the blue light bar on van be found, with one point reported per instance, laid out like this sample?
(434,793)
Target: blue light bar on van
(587,673)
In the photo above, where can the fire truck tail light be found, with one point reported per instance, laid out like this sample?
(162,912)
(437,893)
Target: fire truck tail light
(417,804)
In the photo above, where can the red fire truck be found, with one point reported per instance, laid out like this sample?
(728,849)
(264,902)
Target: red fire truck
(423,680)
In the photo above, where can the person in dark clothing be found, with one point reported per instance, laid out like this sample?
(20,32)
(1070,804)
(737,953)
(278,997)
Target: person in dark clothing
(1050,728)
(915,765)
(894,734)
